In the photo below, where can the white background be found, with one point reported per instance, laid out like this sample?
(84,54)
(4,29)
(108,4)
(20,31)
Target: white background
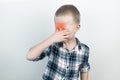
(24,23)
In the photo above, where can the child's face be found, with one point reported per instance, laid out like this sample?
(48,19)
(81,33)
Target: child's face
(66,23)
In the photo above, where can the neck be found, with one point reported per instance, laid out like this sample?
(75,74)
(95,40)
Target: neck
(70,44)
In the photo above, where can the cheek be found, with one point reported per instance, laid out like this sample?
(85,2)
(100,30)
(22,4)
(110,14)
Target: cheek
(70,28)
(72,32)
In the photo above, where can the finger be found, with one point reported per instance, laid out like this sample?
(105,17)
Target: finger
(67,33)
(66,36)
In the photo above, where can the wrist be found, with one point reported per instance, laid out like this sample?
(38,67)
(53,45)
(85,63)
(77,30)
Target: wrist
(50,40)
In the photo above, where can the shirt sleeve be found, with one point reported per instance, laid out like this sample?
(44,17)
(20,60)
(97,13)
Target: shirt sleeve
(85,67)
(45,53)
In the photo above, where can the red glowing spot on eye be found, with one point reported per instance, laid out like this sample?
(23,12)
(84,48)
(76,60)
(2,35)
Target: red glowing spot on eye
(61,26)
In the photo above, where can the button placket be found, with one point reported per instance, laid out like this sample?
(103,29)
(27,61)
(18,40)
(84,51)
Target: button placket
(68,56)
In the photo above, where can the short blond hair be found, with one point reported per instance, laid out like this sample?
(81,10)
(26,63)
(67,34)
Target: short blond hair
(69,9)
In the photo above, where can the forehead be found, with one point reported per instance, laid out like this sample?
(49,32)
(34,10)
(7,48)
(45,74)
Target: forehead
(65,19)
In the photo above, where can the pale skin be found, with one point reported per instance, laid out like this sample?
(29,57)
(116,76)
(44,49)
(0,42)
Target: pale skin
(67,36)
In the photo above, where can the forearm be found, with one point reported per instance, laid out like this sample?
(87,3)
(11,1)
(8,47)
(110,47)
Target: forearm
(36,50)
(84,76)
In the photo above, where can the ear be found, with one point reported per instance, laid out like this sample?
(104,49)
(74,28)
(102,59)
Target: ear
(77,27)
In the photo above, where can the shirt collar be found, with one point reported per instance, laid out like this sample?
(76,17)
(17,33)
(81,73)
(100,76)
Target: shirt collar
(77,47)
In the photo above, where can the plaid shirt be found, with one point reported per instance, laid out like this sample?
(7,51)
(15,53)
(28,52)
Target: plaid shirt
(64,64)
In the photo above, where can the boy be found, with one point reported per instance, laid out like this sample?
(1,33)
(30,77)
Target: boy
(67,55)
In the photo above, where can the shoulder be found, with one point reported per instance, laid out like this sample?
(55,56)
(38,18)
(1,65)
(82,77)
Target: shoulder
(84,47)
(54,46)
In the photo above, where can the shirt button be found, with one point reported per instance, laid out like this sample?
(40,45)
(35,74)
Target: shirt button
(67,67)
